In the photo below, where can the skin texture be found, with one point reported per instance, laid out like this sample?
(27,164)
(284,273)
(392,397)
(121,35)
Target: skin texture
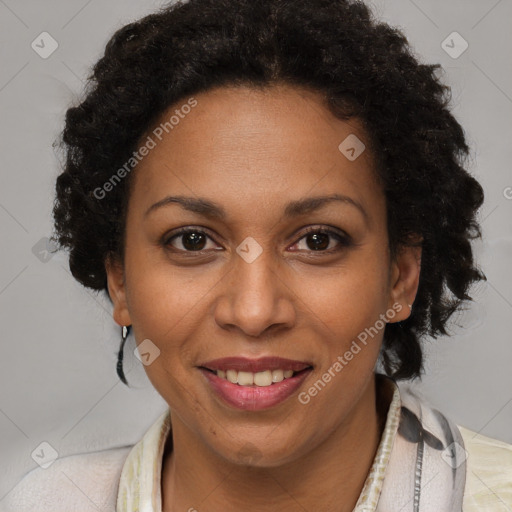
(253,151)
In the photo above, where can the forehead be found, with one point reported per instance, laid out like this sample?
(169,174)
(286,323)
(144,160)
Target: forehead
(255,144)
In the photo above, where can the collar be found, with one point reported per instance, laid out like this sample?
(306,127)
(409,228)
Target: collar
(140,482)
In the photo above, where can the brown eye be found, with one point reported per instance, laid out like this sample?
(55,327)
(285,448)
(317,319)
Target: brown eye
(318,241)
(321,240)
(191,240)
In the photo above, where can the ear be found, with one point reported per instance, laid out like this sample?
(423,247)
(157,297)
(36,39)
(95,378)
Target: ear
(117,290)
(404,279)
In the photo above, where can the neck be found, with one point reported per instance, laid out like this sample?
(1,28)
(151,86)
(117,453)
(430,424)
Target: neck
(330,477)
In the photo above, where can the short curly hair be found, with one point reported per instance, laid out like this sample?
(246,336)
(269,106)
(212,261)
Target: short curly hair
(364,68)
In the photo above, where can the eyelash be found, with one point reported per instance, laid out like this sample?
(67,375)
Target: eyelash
(344,240)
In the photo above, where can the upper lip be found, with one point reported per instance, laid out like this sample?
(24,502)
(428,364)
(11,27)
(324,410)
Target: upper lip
(255,365)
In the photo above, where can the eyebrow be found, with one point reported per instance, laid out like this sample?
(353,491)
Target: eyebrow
(212,210)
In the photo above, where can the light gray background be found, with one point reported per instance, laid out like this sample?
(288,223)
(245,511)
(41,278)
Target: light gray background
(57,369)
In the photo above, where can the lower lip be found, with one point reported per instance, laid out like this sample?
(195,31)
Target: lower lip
(254,398)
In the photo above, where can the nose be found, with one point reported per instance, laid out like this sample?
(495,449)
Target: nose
(256,297)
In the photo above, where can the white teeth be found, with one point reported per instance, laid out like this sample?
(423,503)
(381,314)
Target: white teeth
(262,379)
(245,378)
(232,376)
(277,375)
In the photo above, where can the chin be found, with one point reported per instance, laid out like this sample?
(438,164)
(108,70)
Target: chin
(252,453)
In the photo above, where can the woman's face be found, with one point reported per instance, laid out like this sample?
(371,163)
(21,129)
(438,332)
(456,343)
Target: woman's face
(249,281)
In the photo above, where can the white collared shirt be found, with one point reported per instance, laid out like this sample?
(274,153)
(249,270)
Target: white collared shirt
(129,479)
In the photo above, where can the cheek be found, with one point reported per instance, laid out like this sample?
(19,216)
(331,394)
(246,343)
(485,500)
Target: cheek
(160,308)
(160,296)
(351,296)
(161,302)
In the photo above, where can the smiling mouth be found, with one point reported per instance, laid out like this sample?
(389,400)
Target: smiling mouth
(263,378)
(254,384)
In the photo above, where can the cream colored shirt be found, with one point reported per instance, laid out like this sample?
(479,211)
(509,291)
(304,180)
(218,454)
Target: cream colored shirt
(129,479)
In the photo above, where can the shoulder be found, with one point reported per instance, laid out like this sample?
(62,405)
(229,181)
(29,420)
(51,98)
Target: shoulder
(489,473)
(80,482)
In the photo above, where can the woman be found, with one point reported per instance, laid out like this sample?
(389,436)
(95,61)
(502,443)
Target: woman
(273,196)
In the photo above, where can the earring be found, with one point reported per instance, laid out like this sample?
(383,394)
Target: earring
(125,331)
(410,306)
